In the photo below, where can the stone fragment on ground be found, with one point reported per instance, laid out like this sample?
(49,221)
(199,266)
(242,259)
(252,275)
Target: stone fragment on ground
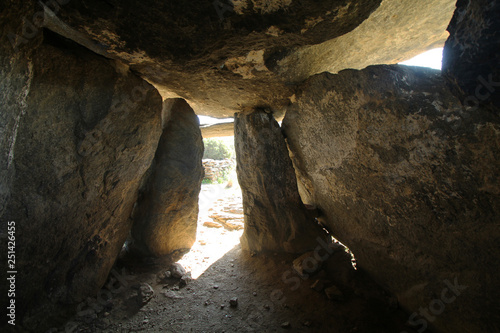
(209,224)
(145,294)
(286,324)
(229,221)
(233,302)
(162,276)
(185,279)
(177,270)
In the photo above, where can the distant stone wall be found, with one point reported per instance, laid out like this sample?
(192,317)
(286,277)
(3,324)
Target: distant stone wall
(215,169)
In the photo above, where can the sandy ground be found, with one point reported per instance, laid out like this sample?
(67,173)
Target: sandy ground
(271,297)
(212,243)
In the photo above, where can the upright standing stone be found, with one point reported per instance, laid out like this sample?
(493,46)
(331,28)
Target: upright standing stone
(166,215)
(471,56)
(408,180)
(275,218)
(85,132)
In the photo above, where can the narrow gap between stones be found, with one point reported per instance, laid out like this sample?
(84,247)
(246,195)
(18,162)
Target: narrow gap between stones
(220,217)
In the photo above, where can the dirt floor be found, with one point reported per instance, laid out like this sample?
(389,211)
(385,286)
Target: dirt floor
(226,289)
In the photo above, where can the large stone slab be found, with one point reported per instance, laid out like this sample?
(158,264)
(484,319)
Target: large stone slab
(408,180)
(166,215)
(394,32)
(15,73)
(472,53)
(86,132)
(217,130)
(245,53)
(275,218)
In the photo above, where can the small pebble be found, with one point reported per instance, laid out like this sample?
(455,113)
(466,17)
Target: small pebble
(185,279)
(254,293)
(216,287)
(286,324)
(222,306)
(233,302)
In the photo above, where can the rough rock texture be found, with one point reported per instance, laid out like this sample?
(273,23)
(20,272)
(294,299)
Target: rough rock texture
(86,133)
(403,174)
(166,215)
(275,218)
(390,35)
(472,54)
(215,169)
(233,49)
(15,73)
(408,180)
(182,45)
(217,130)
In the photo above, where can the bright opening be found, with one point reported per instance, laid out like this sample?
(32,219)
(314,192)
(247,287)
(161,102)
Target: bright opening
(206,120)
(220,218)
(431,59)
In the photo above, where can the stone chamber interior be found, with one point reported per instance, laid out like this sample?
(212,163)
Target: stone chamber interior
(101,146)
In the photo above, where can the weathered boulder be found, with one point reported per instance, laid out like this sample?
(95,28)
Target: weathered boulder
(275,218)
(85,132)
(243,53)
(166,215)
(394,32)
(217,130)
(408,180)
(472,53)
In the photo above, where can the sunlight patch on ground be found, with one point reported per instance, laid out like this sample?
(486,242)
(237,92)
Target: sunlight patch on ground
(432,59)
(212,243)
